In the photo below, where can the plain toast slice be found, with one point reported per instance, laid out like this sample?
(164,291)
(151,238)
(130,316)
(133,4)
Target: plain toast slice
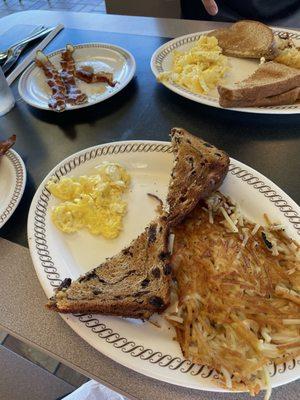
(199,169)
(247,39)
(269,79)
(134,283)
(289,97)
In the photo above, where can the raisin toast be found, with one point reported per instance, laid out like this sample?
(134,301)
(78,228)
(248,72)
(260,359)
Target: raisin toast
(199,169)
(134,283)
(247,39)
(270,79)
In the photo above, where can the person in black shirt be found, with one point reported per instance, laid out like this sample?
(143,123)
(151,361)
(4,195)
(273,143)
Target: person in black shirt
(268,11)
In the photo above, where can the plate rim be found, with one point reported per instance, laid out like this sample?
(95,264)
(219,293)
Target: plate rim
(22,84)
(19,185)
(203,99)
(252,177)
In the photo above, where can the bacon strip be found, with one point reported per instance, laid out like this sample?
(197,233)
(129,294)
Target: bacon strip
(86,73)
(74,95)
(57,101)
(5,145)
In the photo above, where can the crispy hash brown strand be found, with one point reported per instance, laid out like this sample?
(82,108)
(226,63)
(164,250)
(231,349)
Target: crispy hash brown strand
(57,101)
(74,95)
(87,74)
(239,294)
(5,145)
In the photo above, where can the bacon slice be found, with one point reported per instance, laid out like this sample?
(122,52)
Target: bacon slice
(74,95)
(86,73)
(57,101)
(5,145)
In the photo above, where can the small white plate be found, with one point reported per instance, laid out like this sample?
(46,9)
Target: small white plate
(240,68)
(105,57)
(140,346)
(12,184)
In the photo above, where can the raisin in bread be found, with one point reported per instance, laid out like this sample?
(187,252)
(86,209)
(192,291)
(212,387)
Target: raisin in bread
(134,283)
(199,169)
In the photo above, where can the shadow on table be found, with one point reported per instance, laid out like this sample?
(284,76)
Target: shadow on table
(233,124)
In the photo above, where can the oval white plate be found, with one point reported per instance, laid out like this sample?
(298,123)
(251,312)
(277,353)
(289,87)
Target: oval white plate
(162,58)
(142,346)
(35,91)
(12,184)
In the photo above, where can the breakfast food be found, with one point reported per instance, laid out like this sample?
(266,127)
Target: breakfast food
(87,74)
(247,39)
(57,101)
(199,69)
(5,145)
(74,95)
(289,56)
(63,83)
(134,283)
(199,169)
(263,87)
(238,288)
(92,202)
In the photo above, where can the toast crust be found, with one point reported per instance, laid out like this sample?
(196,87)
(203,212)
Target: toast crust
(199,169)
(134,283)
(270,79)
(289,97)
(247,39)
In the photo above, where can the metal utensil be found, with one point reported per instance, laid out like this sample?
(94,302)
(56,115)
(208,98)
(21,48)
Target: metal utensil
(39,33)
(31,57)
(17,50)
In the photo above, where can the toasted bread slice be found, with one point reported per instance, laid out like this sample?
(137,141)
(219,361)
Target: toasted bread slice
(268,80)
(247,39)
(289,97)
(134,283)
(199,169)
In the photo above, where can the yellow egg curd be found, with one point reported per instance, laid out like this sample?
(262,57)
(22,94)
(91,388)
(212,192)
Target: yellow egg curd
(91,202)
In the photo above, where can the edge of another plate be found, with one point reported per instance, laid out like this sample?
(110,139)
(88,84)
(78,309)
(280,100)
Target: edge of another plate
(204,99)
(20,171)
(125,53)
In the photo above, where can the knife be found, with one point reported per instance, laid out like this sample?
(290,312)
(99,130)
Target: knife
(31,57)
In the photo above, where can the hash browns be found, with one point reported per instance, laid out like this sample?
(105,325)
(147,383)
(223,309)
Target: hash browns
(238,290)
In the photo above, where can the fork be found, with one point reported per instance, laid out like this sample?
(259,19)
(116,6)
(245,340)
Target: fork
(36,33)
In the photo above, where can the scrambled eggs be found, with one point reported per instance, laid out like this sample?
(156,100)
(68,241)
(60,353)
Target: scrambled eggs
(289,57)
(200,68)
(92,202)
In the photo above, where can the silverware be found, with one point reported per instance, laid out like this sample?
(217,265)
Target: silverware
(16,50)
(41,31)
(31,57)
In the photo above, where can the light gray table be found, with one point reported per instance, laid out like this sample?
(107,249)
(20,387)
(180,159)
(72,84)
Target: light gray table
(21,297)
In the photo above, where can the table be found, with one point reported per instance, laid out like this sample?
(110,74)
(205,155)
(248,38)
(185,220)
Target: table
(144,110)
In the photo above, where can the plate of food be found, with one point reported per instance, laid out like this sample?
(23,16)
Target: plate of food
(76,76)
(173,260)
(12,179)
(247,67)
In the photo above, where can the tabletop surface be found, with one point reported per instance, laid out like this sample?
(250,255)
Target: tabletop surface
(143,110)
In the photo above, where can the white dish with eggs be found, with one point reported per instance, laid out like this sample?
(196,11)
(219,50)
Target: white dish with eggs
(143,346)
(239,69)
(104,57)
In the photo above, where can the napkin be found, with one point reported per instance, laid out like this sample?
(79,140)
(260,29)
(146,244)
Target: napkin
(93,390)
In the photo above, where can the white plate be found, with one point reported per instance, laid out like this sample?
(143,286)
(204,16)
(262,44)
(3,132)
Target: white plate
(106,57)
(142,346)
(12,184)
(162,58)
